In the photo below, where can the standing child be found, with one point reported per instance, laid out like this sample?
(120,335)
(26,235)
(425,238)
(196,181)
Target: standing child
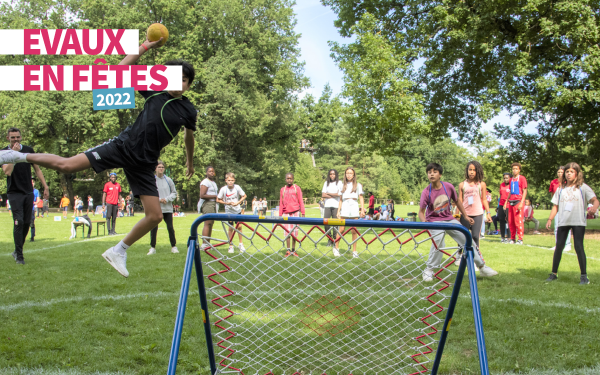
(166,196)
(371,212)
(554,185)
(331,194)
(291,204)
(348,207)
(232,196)
(208,202)
(255,202)
(515,204)
(570,203)
(64,205)
(265,206)
(40,207)
(502,212)
(528,213)
(472,196)
(90,205)
(436,206)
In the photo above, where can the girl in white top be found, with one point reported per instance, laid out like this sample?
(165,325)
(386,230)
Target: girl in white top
(348,207)
(208,202)
(331,193)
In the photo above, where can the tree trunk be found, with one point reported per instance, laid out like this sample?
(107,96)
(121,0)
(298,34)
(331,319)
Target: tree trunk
(67,186)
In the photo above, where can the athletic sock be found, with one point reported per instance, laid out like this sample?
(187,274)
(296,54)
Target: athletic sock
(22,158)
(121,248)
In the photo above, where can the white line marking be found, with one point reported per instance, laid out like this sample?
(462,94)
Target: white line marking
(30,304)
(65,244)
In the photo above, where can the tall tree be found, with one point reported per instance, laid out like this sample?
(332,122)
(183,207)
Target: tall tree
(537,59)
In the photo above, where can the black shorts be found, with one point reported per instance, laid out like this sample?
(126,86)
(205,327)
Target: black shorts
(371,211)
(110,155)
(233,223)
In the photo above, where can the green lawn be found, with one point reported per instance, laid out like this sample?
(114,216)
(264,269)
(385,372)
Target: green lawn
(68,312)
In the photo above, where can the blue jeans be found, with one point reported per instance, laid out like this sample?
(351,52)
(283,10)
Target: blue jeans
(568,243)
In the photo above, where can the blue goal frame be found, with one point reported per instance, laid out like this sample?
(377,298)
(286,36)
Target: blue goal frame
(193,259)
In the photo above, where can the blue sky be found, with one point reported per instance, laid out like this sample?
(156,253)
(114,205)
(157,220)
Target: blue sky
(315,23)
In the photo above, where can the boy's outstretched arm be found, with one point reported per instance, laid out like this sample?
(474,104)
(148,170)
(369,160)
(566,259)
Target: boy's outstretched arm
(132,59)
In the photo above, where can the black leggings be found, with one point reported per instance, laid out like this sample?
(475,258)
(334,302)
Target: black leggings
(475,228)
(330,213)
(561,239)
(168,219)
(502,219)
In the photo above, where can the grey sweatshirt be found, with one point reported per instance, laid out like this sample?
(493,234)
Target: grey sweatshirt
(166,190)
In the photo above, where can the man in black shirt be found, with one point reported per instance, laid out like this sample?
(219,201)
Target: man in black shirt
(20,192)
(136,150)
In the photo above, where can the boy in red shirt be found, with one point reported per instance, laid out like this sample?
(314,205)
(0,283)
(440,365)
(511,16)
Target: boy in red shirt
(291,205)
(516,203)
(110,200)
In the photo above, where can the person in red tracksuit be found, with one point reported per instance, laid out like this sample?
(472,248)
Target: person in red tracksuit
(291,205)
(516,203)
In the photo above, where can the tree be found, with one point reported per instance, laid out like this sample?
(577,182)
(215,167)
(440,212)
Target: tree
(308,177)
(536,59)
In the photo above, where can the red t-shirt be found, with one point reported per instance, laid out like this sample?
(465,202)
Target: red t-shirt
(372,201)
(112,192)
(554,186)
(522,185)
(504,193)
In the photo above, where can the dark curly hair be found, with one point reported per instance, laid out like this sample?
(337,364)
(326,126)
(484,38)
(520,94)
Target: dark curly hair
(478,171)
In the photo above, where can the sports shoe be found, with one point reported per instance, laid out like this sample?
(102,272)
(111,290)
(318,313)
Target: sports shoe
(116,260)
(519,242)
(355,254)
(329,242)
(288,253)
(584,280)
(511,242)
(567,248)
(336,252)
(152,251)
(204,246)
(457,261)
(9,156)
(482,236)
(428,275)
(174,250)
(23,263)
(14,254)
(294,253)
(553,248)
(486,271)
(242,248)
(231,249)
(71,237)
(551,277)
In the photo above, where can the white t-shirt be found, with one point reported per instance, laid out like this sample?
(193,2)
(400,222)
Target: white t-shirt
(231,195)
(332,188)
(213,189)
(384,215)
(348,193)
(571,209)
(264,204)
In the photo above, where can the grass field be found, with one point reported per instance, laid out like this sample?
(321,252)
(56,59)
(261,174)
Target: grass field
(68,312)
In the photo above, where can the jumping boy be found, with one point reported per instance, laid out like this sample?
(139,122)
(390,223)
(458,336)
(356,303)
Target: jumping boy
(232,196)
(435,206)
(136,150)
(516,203)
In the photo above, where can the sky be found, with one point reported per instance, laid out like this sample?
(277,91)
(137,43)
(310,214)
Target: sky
(315,24)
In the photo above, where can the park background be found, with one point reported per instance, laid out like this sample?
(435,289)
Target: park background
(448,82)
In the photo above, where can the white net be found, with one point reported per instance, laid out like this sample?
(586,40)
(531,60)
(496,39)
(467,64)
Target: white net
(317,313)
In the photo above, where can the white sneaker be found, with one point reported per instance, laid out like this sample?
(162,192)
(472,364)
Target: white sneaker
(174,250)
(242,248)
(9,157)
(71,237)
(116,260)
(355,254)
(231,250)
(553,248)
(567,248)
(152,251)
(457,261)
(486,271)
(428,275)
(336,252)
(204,246)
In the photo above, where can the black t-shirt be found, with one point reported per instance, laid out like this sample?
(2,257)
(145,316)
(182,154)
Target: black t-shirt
(144,140)
(19,182)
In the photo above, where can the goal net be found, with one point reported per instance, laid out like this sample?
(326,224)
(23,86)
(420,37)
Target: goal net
(317,313)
